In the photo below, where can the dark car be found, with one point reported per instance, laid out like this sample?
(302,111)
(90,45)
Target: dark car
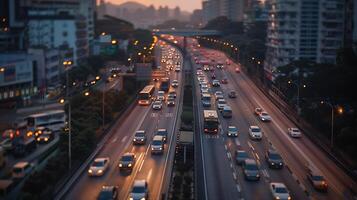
(127,161)
(317,180)
(274,159)
(162,132)
(232,94)
(241,156)
(224,81)
(45,137)
(139,137)
(108,193)
(213,76)
(251,170)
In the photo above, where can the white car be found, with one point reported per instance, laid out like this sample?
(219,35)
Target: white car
(279,191)
(255,133)
(174,83)
(215,83)
(140,190)
(98,167)
(160,95)
(177,69)
(221,103)
(264,116)
(232,131)
(294,132)
(218,95)
(157,105)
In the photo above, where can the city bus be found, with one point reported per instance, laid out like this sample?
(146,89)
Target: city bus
(210,121)
(54,120)
(145,95)
(165,84)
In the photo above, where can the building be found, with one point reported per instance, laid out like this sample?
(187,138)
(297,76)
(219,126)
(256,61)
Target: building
(232,9)
(19,74)
(303,30)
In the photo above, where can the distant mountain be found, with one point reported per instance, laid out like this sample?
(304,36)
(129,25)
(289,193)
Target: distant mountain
(132,6)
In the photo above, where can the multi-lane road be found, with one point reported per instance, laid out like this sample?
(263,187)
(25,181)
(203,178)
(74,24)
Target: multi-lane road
(151,168)
(223,178)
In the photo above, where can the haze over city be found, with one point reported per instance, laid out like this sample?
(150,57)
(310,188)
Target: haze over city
(186,5)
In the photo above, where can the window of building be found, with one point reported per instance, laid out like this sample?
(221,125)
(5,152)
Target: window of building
(64,33)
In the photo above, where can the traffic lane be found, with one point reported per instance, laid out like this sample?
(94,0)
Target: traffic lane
(335,178)
(88,187)
(296,161)
(219,175)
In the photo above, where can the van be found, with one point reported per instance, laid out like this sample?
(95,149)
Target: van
(227,112)
(21,169)
(157,145)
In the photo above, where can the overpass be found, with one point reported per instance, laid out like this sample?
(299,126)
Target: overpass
(186,32)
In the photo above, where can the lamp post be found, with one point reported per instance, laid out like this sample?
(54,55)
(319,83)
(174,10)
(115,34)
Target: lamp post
(298,95)
(67,65)
(340,111)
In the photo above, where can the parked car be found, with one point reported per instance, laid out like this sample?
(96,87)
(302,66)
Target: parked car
(108,193)
(274,159)
(279,191)
(99,166)
(294,132)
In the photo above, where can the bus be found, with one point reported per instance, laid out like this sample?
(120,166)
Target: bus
(165,84)
(210,121)
(54,120)
(145,95)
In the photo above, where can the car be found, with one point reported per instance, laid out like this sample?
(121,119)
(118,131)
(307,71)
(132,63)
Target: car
(156,79)
(160,95)
(251,170)
(255,133)
(127,162)
(157,105)
(140,190)
(258,110)
(219,66)
(139,137)
(99,166)
(228,62)
(172,93)
(224,81)
(294,132)
(241,156)
(274,159)
(279,191)
(264,117)
(237,70)
(157,145)
(204,90)
(315,177)
(171,101)
(213,76)
(45,137)
(206,68)
(21,169)
(6,144)
(108,193)
(40,130)
(218,95)
(162,132)
(177,69)
(175,83)
(232,131)
(232,94)
(215,83)
(221,103)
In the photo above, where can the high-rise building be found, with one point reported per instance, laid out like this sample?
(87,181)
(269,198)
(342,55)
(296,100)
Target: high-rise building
(232,9)
(303,30)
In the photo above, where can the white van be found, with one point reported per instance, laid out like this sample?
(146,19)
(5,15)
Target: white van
(227,112)
(157,145)
(21,170)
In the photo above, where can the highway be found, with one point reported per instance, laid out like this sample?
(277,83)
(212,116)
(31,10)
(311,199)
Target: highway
(150,167)
(224,179)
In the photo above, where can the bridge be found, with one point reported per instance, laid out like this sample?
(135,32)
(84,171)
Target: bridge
(186,32)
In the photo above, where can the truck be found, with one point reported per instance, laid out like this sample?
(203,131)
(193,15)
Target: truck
(210,121)
(165,84)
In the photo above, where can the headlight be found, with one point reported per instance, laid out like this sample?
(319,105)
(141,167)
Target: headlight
(142,198)
(257,175)
(280,163)
(279,197)
(90,171)
(142,139)
(160,148)
(46,139)
(272,163)
(134,139)
(129,165)
(289,198)
(100,171)
(38,139)
(120,165)
(152,148)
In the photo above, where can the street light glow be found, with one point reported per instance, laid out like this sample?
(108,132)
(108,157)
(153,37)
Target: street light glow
(2,69)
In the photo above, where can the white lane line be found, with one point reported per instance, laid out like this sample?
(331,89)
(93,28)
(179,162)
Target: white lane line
(250,145)
(149,175)
(229,155)
(234,176)
(115,139)
(238,188)
(258,158)
(124,139)
(225,146)
(237,142)
(231,165)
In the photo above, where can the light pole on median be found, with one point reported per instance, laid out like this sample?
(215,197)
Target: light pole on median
(67,65)
(340,111)
(298,95)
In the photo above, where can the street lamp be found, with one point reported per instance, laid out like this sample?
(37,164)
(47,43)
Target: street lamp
(2,69)
(67,64)
(339,111)
(298,94)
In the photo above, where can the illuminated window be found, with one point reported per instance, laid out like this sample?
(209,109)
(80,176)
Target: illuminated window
(11,94)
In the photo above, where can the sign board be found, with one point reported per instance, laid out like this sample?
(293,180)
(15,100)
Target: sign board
(143,71)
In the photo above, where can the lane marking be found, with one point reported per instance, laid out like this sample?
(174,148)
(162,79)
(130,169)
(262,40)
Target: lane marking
(225,146)
(149,175)
(115,139)
(237,142)
(234,176)
(256,154)
(250,145)
(229,155)
(124,138)
(238,188)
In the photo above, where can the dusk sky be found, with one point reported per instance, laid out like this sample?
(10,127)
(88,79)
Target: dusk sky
(187,5)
